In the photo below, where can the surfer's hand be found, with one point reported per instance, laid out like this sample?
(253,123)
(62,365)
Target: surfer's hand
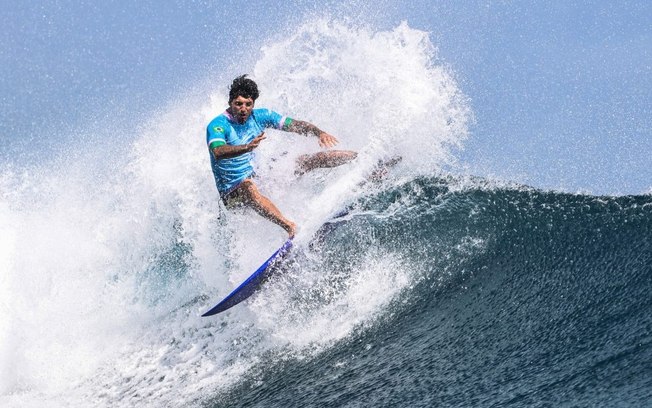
(326,140)
(254,143)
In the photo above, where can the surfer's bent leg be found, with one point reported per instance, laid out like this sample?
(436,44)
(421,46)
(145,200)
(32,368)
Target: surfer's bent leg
(250,195)
(382,168)
(333,158)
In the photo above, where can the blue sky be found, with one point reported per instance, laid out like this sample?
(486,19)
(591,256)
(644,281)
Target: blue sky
(561,90)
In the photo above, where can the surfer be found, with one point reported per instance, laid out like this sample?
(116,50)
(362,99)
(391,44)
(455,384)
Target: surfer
(235,134)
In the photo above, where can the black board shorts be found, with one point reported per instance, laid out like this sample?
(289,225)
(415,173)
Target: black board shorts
(233,197)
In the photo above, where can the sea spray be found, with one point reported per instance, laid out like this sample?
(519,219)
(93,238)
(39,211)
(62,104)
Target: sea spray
(110,265)
(382,94)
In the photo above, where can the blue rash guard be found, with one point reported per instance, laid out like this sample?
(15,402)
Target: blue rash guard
(225,129)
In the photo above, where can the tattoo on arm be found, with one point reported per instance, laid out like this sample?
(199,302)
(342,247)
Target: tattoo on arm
(304,128)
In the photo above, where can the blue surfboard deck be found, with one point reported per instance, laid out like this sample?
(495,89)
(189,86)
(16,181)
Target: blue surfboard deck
(253,282)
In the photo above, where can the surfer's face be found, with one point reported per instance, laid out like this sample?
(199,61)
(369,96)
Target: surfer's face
(241,108)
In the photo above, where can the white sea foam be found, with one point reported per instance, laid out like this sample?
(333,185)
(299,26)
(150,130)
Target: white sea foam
(107,267)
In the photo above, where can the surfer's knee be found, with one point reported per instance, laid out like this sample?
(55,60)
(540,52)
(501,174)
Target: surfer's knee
(336,158)
(247,184)
(347,155)
(248,190)
(327,159)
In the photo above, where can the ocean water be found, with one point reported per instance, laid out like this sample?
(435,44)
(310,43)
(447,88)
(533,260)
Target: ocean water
(516,297)
(435,289)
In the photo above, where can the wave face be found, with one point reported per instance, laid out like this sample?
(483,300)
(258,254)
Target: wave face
(433,289)
(516,297)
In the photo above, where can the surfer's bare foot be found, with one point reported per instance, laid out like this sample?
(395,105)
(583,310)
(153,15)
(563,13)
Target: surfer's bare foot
(291,229)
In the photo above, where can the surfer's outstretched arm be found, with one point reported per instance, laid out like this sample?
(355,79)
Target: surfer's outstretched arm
(333,158)
(224,151)
(305,128)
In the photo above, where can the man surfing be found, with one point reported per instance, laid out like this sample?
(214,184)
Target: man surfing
(235,134)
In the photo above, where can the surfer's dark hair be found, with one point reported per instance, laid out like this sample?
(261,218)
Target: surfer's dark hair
(243,86)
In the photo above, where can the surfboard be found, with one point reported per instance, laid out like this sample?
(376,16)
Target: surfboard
(253,282)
